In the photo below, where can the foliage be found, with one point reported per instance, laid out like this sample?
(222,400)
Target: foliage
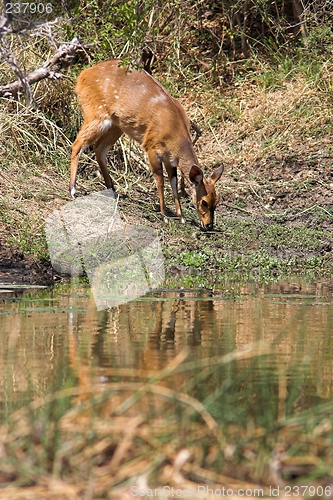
(113,29)
(202,35)
(196,30)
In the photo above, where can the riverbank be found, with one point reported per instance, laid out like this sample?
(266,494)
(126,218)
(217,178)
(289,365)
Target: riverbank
(275,215)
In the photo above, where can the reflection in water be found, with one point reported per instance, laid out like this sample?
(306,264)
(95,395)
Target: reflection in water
(50,336)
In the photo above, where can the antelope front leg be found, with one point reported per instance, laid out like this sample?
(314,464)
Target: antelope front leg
(157,169)
(172,174)
(76,152)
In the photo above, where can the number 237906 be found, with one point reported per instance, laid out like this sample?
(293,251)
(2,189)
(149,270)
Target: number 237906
(28,8)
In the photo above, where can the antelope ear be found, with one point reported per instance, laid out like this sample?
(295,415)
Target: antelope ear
(217,174)
(196,175)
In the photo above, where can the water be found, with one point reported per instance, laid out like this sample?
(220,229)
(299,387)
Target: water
(54,337)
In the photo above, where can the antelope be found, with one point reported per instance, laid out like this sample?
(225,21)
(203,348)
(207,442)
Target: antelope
(117,100)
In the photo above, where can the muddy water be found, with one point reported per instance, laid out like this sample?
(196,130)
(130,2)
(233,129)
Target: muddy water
(50,337)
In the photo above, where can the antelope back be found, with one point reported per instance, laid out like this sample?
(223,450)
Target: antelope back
(133,101)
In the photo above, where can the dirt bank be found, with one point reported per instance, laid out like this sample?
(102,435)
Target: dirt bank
(17,268)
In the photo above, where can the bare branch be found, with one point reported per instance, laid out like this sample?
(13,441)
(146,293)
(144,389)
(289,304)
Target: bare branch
(63,58)
(34,28)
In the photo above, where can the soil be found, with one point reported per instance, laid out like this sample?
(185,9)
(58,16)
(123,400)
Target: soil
(19,269)
(295,183)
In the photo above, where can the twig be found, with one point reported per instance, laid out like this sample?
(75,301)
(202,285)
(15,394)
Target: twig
(230,205)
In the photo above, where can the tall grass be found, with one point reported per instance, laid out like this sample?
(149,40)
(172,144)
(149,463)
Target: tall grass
(189,424)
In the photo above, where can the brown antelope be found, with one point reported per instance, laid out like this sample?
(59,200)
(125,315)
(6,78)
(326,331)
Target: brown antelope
(117,100)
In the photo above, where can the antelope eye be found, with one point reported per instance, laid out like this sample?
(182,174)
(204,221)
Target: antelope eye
(205,204)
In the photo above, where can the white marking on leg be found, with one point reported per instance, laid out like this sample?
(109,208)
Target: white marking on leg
(73,191)
(173,161)
(106,124)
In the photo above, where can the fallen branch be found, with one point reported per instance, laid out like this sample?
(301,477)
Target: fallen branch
(63,58)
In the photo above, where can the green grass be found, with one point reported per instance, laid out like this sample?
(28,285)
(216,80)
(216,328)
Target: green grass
(291,238)
(275,72)
(35,245)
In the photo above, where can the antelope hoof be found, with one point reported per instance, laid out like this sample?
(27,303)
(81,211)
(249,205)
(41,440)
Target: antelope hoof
(73,191)
(113,192)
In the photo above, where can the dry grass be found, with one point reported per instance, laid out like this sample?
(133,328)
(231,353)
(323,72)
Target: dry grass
(248,123)
(100,440)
